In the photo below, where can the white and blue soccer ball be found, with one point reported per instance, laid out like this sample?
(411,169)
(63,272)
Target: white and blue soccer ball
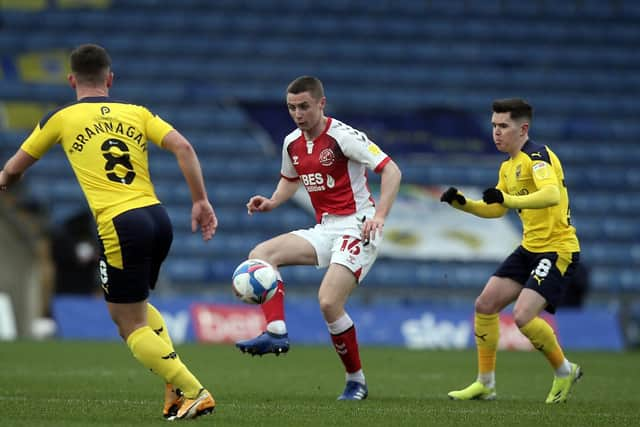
(254,281)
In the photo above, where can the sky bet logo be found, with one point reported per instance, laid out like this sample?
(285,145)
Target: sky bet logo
(313,182)
(316,182)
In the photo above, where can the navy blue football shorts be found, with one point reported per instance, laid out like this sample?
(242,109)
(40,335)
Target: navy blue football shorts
(547,273)
(134,245)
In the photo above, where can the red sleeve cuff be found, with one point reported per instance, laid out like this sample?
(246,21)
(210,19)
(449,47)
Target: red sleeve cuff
(289,178)
(382,164)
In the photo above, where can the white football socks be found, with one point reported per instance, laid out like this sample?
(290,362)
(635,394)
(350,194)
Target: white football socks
(277,327)
(488,379)
(564,369)
(357,376)
(340,325)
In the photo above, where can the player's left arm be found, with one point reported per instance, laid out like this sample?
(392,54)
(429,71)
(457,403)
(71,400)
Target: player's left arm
(546,195)
(390,178)
(188,162)
(202,213)
(15,167)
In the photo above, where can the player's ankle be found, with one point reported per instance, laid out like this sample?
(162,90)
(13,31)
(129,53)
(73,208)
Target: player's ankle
(277,327)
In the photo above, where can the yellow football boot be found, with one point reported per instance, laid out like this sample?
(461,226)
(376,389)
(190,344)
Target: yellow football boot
(561,387)
(476,391)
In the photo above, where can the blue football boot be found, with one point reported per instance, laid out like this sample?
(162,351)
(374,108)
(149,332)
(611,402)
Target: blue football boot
(264,343)
(354,391)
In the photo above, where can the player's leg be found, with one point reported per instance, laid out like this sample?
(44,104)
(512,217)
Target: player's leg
(544,290)
(351,260)
(128,240)
(179,403)
(149,349)
(285,249)
(496,295)
(337,285)
(173,396)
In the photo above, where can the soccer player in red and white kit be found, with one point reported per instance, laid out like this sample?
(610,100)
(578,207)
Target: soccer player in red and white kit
(330,159)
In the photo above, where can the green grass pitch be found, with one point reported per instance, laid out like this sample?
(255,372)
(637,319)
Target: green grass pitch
(58,383)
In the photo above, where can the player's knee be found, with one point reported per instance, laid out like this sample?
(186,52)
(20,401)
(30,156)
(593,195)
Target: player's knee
(522,317)
(254,253)
(487,305)
(262,252)
(325,303)
(125,329)
(329,307)
(484,305)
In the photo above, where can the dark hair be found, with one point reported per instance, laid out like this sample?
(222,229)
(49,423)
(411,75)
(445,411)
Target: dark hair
(518,107)
(90,63)
(310,84)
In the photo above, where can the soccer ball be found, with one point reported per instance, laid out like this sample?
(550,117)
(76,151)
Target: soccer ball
(254,281)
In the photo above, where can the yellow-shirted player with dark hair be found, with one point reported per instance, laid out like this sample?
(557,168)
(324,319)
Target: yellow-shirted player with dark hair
(537,273)
(105,142)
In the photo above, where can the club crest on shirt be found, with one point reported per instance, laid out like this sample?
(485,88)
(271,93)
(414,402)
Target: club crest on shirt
(327,157)
(295,160)
(518,171)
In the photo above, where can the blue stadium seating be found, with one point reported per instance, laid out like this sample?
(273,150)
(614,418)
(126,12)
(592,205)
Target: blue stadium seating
(193,63)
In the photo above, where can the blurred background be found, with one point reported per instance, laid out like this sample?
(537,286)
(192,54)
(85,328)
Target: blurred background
(417,76)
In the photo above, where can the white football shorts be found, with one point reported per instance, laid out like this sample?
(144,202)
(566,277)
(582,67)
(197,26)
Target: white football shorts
(337,240)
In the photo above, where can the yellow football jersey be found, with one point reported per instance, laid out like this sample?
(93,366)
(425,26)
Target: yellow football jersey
(105,142)
(548,229)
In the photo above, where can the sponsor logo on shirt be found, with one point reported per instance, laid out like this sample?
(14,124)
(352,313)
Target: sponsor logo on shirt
(313,182)
(374,149)
(541,170)
(330,181)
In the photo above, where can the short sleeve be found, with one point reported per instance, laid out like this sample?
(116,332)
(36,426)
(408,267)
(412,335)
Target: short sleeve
(357,146)
(287,170)
(543,174)
(156,127)
(42,139)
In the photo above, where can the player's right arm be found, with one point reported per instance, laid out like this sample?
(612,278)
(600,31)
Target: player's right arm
(456,198)
(285,189)
(45,134)
(15,167)
(287,186)
(202,213)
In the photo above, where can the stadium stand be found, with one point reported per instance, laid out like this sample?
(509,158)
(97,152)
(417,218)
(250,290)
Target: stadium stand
(196,62)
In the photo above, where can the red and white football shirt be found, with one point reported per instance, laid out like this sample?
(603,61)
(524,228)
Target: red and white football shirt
(333,167)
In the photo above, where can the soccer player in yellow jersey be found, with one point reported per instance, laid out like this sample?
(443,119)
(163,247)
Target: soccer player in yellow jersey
(537,273)
(105,142)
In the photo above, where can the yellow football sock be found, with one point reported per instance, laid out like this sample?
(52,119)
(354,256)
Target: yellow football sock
(487,332)
(156,322)
(155,354)
(541,335)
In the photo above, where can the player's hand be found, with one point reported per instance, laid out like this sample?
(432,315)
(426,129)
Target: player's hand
(259,204)
(492,195)
(371,229)
(4,180)
(453,194)
(203,216)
